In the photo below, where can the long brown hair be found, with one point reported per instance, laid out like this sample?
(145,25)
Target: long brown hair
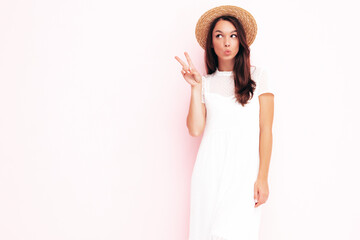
(244,85)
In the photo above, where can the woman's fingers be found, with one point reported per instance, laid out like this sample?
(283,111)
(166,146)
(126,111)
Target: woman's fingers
(185,66)
(189,60)
(180,61)
(261,196)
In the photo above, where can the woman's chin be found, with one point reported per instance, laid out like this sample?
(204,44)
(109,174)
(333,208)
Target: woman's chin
(227,57)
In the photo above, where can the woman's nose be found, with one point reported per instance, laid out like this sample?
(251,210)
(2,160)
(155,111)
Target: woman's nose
(227,42)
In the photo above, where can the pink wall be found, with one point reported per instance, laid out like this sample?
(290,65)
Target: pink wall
(93,137)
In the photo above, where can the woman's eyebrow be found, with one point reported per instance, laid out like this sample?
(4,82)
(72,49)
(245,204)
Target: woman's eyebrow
(221,31)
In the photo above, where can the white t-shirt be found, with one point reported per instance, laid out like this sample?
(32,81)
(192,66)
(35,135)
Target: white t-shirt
(224,85)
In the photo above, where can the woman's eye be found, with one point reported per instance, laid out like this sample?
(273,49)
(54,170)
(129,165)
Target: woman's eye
(231,35)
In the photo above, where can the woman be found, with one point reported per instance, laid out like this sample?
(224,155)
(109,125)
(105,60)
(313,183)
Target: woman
(233,107)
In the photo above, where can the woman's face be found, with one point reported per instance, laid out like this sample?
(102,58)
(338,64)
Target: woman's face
(225,40)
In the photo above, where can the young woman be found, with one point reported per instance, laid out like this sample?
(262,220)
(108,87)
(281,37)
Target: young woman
(233,106)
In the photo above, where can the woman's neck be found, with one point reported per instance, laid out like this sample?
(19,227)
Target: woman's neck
(226,65)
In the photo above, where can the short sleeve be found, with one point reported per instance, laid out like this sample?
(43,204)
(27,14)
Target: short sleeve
(264,83)
(203,83)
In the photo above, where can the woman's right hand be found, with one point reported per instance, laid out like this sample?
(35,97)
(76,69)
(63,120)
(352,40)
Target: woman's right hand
(189,72)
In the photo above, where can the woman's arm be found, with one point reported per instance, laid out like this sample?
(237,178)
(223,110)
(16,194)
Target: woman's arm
(261,188)
(196,117)
(197,112)
(265,142)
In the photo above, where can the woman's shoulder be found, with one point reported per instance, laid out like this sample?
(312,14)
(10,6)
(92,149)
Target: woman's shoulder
(257,71)
(208,75)
(263,81)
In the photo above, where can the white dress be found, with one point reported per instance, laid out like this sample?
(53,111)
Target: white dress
(227,162)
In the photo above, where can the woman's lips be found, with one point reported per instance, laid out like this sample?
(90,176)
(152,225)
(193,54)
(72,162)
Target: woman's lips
(227,52)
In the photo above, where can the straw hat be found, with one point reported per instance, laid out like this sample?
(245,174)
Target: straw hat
(247,20)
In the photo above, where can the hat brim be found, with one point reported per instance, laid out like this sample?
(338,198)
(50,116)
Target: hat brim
(246,19)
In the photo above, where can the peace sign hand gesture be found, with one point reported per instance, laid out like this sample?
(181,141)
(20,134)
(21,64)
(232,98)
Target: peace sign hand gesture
(191,75)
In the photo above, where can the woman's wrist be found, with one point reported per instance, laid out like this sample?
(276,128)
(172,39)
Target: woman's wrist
(262,178)
(196,88)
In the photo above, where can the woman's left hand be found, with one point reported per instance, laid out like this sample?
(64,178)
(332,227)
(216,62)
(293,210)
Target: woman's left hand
(261,191)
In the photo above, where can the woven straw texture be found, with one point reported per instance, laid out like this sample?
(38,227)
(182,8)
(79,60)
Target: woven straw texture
(247,20)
